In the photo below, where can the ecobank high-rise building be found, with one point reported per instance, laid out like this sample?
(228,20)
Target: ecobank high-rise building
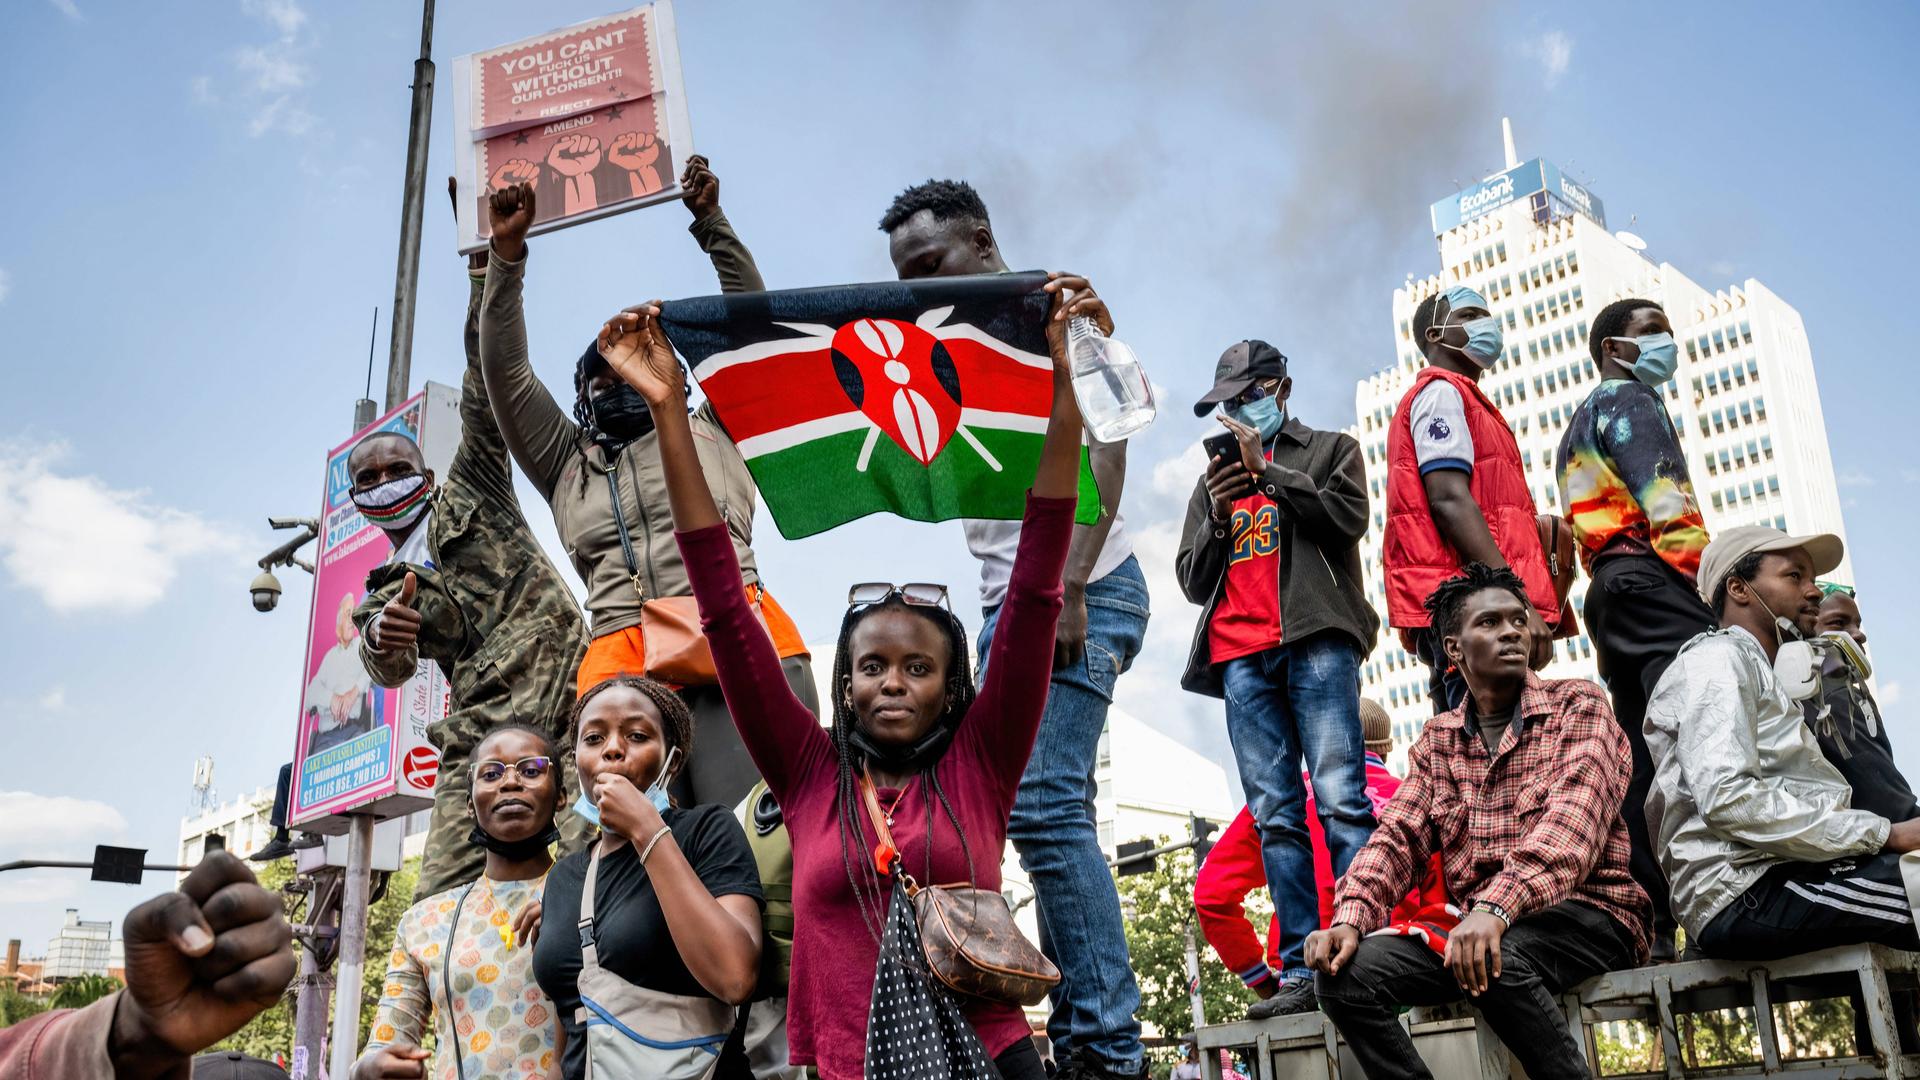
(1536,244)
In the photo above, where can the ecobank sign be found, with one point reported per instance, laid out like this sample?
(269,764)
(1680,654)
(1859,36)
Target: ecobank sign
(1519,182)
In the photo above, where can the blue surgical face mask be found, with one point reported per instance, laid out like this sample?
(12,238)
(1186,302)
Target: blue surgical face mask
(1658,358)
(1485,340)
(1265,416)
(656,792)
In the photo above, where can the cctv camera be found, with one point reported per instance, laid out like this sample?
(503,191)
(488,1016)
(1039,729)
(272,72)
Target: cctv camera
(266,591)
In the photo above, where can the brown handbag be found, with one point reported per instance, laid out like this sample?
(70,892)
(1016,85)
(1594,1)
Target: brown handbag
(1556,540)
(971,942)
(675,648)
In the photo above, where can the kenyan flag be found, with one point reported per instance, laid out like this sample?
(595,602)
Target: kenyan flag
(927,398)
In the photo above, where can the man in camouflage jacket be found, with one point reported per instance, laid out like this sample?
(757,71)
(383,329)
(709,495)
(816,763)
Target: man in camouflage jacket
(469,588)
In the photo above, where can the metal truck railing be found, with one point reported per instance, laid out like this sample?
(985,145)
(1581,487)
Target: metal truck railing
(1674,1006)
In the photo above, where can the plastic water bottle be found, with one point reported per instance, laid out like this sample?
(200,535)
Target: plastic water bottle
(1115,398)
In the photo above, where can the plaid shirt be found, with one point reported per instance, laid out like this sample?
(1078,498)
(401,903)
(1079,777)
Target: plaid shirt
(1526,828)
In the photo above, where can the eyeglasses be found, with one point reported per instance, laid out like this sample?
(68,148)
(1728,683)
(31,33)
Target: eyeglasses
(1254,393)
(493,772)
(917,593)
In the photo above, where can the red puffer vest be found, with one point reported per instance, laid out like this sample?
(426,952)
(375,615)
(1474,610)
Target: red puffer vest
(1416,559)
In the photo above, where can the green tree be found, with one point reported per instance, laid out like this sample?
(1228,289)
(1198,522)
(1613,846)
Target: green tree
(272,1031)
(16,1006)
(81,992)
(1159,909)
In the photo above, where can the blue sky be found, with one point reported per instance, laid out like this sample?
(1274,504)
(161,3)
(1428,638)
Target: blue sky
(204,214)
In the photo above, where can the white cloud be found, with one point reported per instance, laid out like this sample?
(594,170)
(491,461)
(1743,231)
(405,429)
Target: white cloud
(6,284)
(54,699)
(1173,478)
(271,68)
(1554,51)
(285,15)
(82,545)
(269,78)
(1855,478)
(56,826)
(1889,695)
(68,8)
(281,114)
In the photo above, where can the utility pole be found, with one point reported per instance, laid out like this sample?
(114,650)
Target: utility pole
(412,204)
(359,876)
(1209,1060)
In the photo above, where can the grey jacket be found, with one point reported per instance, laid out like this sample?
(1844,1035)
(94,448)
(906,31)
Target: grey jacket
(1739,783)
(1319,483)
(571,472)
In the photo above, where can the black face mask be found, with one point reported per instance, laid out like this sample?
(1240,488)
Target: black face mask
(917,756)
(517,850)
(620,415)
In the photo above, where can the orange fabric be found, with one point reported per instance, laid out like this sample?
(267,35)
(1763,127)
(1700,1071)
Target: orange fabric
(624,652)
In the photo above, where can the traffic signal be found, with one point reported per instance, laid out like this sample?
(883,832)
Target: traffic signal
(118,864)
(1200,831)
(1127,858)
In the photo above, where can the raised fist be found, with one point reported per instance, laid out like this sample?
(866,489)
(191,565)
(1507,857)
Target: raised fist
(515,171)
(636,152)
(574,154)
(509,215)
(701,186)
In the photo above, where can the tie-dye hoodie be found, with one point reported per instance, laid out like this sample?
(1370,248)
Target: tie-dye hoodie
(1624,480)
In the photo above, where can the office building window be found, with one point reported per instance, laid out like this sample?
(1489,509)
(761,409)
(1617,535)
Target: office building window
(1746,331)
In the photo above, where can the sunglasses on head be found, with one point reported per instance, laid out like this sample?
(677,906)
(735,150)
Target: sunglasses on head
(493,772)
(1828,588)
(918,593)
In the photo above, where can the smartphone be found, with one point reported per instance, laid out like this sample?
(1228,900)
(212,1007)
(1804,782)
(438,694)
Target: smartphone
(1225,446)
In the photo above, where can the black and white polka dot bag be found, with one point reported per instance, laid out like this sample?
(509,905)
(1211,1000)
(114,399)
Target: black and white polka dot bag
(915,1029)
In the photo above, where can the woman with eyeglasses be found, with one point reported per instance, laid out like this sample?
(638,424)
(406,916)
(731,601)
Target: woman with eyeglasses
(944,762)
(463,959)
(675,891)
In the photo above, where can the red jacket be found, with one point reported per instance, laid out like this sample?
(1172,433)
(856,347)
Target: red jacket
(1416,559)
(1234,868)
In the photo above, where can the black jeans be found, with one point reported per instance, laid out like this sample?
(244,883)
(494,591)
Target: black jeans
(1446,687)
(1799,907)
(1021,1061)
(1542,955)
(1640,611)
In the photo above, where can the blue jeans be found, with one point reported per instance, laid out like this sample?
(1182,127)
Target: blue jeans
(1052,828)
(1290,706)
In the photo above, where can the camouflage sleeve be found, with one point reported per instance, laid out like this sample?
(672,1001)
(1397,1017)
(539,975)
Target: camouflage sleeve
(731,260)
(481,462)
(388,668)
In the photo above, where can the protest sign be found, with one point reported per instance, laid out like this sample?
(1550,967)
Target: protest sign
(361,747)
(592,115)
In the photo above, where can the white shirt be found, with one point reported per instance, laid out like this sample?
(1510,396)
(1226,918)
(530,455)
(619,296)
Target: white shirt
(339,672)
(1438,421)
(415,549)
(994,543)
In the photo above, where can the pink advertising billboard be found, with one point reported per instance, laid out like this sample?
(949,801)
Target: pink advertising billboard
(360,747)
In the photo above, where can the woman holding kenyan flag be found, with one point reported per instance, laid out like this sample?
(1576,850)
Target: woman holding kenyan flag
(914,782)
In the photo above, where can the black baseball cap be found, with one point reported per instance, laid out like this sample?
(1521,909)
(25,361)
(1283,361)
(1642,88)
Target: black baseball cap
(231,1065)
(1243,364)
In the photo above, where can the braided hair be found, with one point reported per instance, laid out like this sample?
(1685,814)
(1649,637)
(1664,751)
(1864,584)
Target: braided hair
(869,896)
(676,720)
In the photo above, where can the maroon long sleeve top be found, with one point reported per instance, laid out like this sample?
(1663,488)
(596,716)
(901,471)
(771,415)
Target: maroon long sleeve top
(834,951)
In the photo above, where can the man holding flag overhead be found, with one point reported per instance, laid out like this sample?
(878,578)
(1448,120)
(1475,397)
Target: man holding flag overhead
(939,229)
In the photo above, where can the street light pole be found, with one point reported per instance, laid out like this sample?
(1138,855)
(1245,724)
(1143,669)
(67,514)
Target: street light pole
(412,206)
